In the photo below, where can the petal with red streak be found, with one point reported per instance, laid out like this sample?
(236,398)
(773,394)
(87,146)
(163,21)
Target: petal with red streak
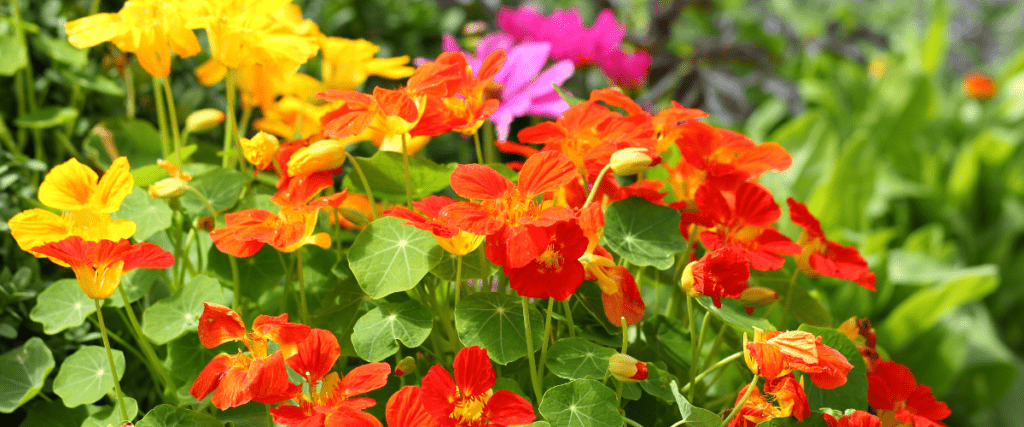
(473,372)
(545,171)
(219,324)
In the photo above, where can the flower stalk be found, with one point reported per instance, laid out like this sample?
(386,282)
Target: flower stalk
(110,357)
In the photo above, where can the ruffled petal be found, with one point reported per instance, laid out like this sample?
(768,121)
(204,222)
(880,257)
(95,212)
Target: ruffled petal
(36,227)
(473,372)
(69,186)
(219,324)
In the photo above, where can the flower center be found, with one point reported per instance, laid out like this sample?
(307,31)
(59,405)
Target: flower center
(551,259)
(470,408)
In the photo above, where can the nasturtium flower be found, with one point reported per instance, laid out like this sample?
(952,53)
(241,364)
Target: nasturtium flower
(98,266)
(854,419)
(405,409)
(236,379)
(151,29)
(620,295)
(470,400)
(774,354)
(86,202)
(451,238)
(721,273)
(978,85)
(260,150)
(744,221)
(292,227)
(755,410)
(863,336)
(626,368)
(348,63)
(557,271)
(898,399)
(785,398)
(820,256)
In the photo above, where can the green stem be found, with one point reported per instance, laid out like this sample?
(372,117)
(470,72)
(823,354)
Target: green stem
(735,411)
(537,389)
(28,82)
(237,305)
(161,117)
(458,278)
(229,121)
(243,123)
(712,368)
(717,345)
(6,137)
(147,348)
(303,311)
(110,357)
(695,353)
(631,422)
(405,166)
(568,317)
(129,92)
(172,114)
(597,183)
(479,150)
(789,297)
(547,337)
(366,185)
(206,202)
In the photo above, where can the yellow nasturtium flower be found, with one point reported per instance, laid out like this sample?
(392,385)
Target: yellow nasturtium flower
(86,202)
(348,63)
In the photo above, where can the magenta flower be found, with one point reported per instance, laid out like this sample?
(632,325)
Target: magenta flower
(526,87)
(570,39)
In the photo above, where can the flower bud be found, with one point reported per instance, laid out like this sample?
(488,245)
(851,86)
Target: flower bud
(626,368)
(979,86)
(260,149)
(633,160)
(758,297)
(204,120)
(686,282)
(405,366)
(323,155)
(168,188)
(354,216)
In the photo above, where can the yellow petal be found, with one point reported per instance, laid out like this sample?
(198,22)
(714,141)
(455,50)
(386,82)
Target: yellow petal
(93,30)
(320,156)
(156,60)
(113,187)
(210,72)
(120,229)
(69,186)
(37,227)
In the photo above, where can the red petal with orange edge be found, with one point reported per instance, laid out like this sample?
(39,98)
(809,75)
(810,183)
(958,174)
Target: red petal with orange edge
(473,372)
(209,378)
(755,206)
(245,233)
(768,358)
(474,181)
(396,103)
(545,171)
(364,378)
(431,205)
(218,325)
(627,302)
(147,255)
(279,330)
(712,204)
(833,367)
(233,389)
(405,410)
(294,416)
(515,247)
(542,133)
(345,416)
(316,355)
(268,379)
(438,392)
(615,98)
(763,158)
(551,216)
(508,408)
(471,217)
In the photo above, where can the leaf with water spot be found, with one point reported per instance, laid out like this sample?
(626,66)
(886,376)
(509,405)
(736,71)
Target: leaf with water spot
(61,306)
(495,322)
(581,403)
(643,233)
(578,358)
(84,377)
(389,257)
(22,373)
(174,315)
(375,336)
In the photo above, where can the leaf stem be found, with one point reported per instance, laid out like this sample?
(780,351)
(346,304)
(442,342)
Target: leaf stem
(405,167)
(597,183)
(479,150)
(229,122)
(568,317)
(161,117)
(713,368)
(172,115)
(537,389)
(147,348)
(110,357)
(695,353)
(237,306)
(366,185)
(547,336)
(789,297)
(458,278)
(303,310)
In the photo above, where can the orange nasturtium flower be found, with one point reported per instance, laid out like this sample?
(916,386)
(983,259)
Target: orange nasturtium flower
(151,29)
(236,379)
(451,238)
(98,266)
(86,201)
(820,256)
(775,354)
(979,86)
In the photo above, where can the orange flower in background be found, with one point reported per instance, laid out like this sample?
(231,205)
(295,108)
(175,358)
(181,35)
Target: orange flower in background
(470,105)
(450,237)
(820,256)
(151,29)
(979,86)
(774,354)
(470,400)
(98,266)
(238,379)
(854,419)
(897,398)
(86,202)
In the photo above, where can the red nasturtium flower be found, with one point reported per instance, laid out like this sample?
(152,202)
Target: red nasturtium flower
(238,379)
(721,273)
(404,409)
(98,266)
(774,354)
(854,419)
(619,294)
(820,256)
(755,410)
(897,398)
(329,401)
(863,336)
(743,219)
(451,238)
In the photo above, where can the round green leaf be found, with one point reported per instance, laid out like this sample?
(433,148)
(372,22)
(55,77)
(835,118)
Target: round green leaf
(173,316)
(47,117)
(471,266)
(222,187)
(103,416)
(644,233)
(386,175)
(22,372)
(61,306)
(692,415)
(389,257)
(375,336)
(581,403)
(84,377)
(853,394)
(53,414)
(171,416)
(495,322)
(578,358)
(150,215)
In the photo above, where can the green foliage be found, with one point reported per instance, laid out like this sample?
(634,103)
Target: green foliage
(375,336)
(580,403)
(389,257)
(150,215)
(170,317)
(494,321)
(385,172)
(84,377)
(643,233)
(578,358)
(22,372)
(853,394)
(170,416)
(62,305)
(692,415)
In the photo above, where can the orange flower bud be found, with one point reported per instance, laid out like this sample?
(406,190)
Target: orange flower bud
(260,149)
(633,160)
(204,120)
(168,188)
(758,297)
(322,155)
(626,368)
(686,282)
(405,366)
(979,86)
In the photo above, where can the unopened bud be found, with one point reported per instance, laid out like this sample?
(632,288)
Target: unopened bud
(168,188)
(405,366)
(633,160)
(354,216)
(626,368)
(323,155)
(204,120)
(260,149)
(686,282)
(758,297)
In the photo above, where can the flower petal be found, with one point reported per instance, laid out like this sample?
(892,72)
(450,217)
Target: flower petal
(69,186)
(545,171)
(475,181)
(219,324)
(365,378)
(404,409)
(473,371)
(36,227)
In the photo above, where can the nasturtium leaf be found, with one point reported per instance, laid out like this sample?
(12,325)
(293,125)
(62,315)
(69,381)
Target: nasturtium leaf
(339,310)
(47,117)
(813,420)
(103,416)
(578,358)
(60,50)
(186,357)
(386,175)
(494,321)
(93,82)
(84,377)
(581,403)
(375,336)
(61,306)
(172,316)
(14,54)
(692,415)
(471,266)
(22,372)
(150,215)
(252,414)
(658,381)
(259,273)
(222,187)
(136,284)
(53,414)
(643,233)
(732,312)
(171,416)
(389,257)
(853,394)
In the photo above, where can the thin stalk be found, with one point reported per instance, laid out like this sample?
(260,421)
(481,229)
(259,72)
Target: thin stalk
(597,183)
(458,278)
(172,115)
(147,348)
(479,150)
(161,118)
(789,297)
(713,368)
(28,82)
(110,357)
(568,317)
(537,389)
(750,388)
(243,124)
(405,166)
(703,330)
(303,311)
(625,335)
(237,304)
(6,137)
(22,109)
(547,337)
(129,93)
(491,153)
(366,185)
(717,345)
(695,353)
(631,422)
(229,121)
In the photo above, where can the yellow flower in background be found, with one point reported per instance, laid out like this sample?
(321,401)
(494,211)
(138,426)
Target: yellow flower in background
(151,29)
(348,63)
(292,117)
(86,201)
